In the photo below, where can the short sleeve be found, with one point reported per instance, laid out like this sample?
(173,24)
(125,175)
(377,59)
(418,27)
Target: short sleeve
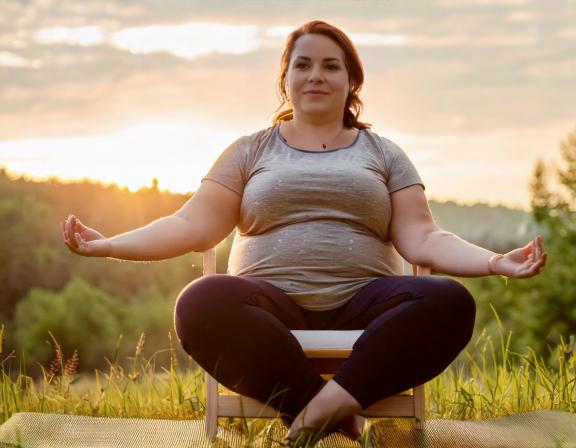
(401,171)
(230,167)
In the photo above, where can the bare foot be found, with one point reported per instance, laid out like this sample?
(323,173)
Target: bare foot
(352,426)
(326,412)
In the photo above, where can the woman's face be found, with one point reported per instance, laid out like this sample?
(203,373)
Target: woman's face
(317,80)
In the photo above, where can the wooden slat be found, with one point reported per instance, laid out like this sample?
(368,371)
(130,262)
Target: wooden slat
(328,353)
(211,407)
(237,405)
(209,262)
(419,406)
(396,406)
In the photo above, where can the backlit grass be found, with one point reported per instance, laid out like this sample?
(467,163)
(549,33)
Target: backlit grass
(486,381)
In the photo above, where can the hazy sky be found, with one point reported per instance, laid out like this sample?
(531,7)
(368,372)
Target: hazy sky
(127,90)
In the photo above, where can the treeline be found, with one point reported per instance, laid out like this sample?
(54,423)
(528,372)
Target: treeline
(87,303)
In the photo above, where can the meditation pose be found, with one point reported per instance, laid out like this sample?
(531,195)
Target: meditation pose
(323,208)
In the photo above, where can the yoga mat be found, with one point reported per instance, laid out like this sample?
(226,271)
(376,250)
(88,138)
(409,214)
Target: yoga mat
(540,429)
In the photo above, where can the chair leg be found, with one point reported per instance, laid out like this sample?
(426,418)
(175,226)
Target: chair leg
(211,418)
(419,406)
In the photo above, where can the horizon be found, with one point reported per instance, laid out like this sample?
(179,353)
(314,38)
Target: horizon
(112,185)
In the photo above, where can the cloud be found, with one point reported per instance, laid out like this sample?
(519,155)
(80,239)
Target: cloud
(98,69)
(567,33)
(521,16)
(189,40)
(558,69)
(379,40)
(8,59)
(471,40)
(473,3)
(85,36)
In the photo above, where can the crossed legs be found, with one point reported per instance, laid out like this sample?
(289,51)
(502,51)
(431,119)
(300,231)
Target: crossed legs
(414,327)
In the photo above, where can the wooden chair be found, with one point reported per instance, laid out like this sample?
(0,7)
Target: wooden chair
(327,349)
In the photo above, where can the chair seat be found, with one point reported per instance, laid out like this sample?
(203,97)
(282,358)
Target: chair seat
(327,343)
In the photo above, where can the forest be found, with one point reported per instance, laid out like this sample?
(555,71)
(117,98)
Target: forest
(102,308)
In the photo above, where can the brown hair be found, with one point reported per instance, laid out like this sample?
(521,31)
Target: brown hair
(353,106)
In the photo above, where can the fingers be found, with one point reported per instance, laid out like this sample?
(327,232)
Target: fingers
(532,260)
(71,229)
(537,246)
(67,232)
(539,255)
(79,241)
(534,250)
(532,267)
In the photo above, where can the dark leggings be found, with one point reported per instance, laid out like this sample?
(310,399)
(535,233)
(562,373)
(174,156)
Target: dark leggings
(238,329)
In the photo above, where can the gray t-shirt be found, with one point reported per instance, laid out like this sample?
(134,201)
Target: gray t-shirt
(314,224)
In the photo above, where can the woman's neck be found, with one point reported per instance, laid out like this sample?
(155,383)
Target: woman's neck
(317,136)
(319,128)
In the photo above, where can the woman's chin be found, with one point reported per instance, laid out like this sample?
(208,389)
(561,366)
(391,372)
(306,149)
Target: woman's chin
(317,111)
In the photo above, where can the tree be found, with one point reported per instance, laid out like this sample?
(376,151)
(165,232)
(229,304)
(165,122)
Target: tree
(80,317)
(541,310)
(550,298)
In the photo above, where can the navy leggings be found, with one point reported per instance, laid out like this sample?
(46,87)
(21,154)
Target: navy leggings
(237,329)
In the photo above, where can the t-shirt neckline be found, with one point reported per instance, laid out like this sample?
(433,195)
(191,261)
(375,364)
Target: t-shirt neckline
(279,137)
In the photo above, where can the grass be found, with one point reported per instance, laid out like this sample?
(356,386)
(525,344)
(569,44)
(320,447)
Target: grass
(486,381)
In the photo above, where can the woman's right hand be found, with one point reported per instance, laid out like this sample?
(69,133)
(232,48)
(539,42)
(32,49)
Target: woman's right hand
(83,240)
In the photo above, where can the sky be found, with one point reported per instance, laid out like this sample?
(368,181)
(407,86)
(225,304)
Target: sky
(124,91)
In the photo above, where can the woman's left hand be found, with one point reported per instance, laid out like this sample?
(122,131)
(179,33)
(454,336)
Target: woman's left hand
(523,262)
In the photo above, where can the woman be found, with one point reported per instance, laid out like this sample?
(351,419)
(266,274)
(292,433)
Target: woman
(321,204)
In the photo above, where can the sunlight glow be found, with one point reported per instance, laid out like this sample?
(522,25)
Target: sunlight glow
(178,154)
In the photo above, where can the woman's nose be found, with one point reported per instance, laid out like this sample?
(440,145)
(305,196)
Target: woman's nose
(316,74)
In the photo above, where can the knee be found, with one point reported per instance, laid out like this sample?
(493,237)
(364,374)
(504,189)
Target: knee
(198,301)
(454,304)
(462,307)
(195,294)
(457,297)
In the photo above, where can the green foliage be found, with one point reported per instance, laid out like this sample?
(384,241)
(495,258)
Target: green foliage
(34,257)
(28,257)
(541,310)
(81,317)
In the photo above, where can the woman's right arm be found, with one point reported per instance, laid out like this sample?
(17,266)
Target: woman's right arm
(201,223)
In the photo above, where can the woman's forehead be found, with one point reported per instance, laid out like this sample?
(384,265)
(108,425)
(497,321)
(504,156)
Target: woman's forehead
(316,46)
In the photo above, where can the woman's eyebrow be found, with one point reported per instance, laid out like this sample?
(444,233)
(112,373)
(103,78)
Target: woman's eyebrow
(306,58)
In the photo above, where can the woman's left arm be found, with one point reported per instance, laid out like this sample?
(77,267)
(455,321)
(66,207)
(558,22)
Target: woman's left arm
(419,240)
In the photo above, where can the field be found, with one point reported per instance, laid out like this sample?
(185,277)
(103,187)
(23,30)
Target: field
(487,380)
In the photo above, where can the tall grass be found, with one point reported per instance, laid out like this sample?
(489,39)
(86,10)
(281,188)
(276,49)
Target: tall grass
(487,380)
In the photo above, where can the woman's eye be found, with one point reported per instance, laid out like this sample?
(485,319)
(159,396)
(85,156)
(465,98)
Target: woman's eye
(301,65)
(332,67)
